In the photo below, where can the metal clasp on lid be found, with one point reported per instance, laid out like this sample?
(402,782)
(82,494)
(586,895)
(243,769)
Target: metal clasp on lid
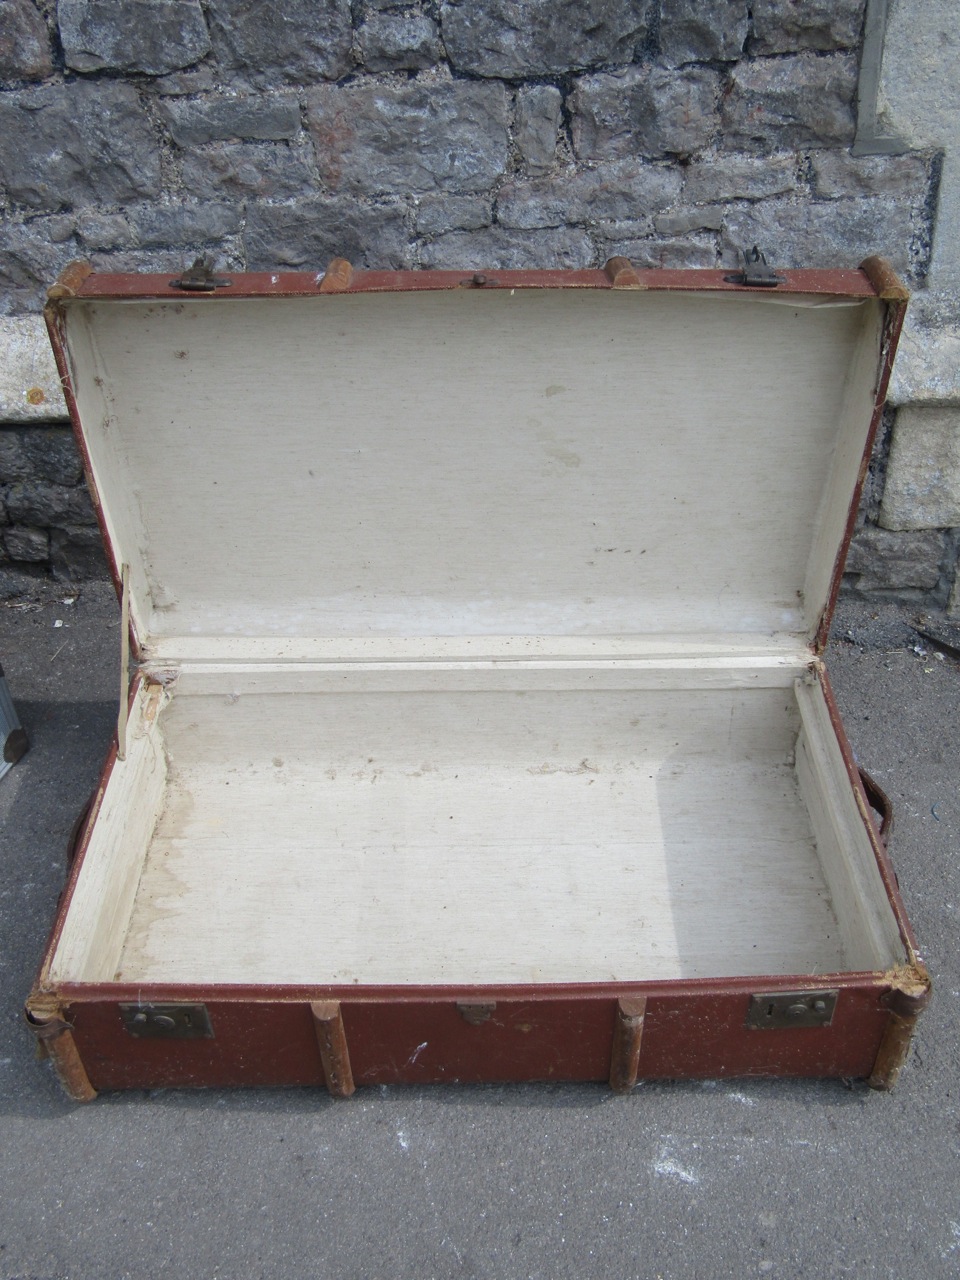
(200,278)
(756,273)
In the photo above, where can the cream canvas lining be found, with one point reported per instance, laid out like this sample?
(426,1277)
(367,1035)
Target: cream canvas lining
(482,623)
(556,463)
(482,835)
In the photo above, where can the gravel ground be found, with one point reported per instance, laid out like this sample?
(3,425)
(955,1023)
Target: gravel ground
(712,1180)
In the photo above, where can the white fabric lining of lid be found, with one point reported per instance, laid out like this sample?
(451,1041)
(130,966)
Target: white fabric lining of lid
(547,463)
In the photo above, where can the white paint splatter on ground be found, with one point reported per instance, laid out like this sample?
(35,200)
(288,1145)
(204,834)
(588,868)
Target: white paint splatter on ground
(666,1165)
(736,1096)
(403,1140)
(955,1228)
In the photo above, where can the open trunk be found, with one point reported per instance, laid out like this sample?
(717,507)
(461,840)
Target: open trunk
(477,636)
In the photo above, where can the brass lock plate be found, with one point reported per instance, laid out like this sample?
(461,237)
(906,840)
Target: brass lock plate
(783,1009)
(167,1021)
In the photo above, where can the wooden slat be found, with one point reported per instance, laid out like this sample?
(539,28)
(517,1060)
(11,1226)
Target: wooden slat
(627,1039)
(332,1041)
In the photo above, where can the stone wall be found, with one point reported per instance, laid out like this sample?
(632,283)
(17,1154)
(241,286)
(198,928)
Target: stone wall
(459,133)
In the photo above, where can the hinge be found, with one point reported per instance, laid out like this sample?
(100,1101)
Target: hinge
(783,1009)
(475,1014)
(756,273)
(167,1021)
(200,278)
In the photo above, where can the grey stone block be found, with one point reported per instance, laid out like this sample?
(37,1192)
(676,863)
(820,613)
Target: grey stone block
(798,101)
(703,30)
(625,189)
(24,42)
(30,258)
(172,259)
(647,110)
(784,26)
(928,359)
(30,389)
(953,605)
(298,41)
(307,234)
(399,42)
(923,473)
(499,248)
(722,177)
(104,230)
(885,561)
(77,144)
(662,253)
(541,37)
(14,463)
(241,169)
(153,36)
(52,454)
(158,225)
(827,233)
(538,122)
(29,545)
(706,218)
(77,554)
(837,174)
(438,214)
(263,117)
(198,79)
(372,139)
(40,503)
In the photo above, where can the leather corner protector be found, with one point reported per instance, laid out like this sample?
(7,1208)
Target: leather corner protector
(70,280)
(338,277)
(44,1014)
(622,274)
(886,283)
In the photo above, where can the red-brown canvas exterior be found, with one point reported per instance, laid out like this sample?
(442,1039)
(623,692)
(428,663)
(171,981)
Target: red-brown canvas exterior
(265,1035)
(400,1036)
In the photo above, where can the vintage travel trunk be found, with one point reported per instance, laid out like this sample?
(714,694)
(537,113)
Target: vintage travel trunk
(477,725)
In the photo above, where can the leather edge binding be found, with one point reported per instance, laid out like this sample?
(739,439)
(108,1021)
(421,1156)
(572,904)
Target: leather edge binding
(70,280)
(884,279)
(45,1019)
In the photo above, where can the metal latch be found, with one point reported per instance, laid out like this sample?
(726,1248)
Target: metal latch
(792,1009)
(167,1021)
(200,278)
(756,273)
